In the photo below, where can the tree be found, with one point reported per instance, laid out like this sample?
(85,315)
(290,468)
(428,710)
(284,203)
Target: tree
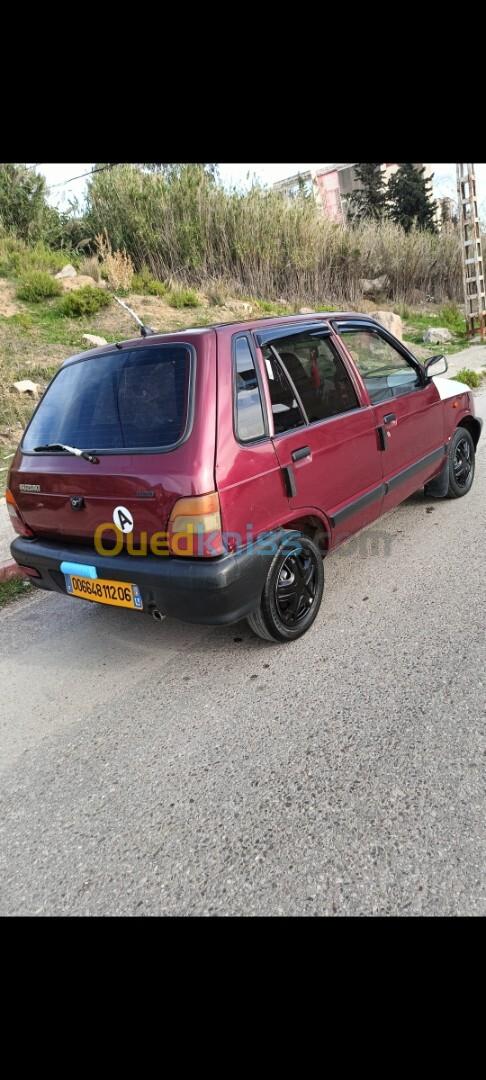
(410,198)
(171,171)
(23,203)
(369,200)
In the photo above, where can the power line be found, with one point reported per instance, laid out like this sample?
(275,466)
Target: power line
(102,168)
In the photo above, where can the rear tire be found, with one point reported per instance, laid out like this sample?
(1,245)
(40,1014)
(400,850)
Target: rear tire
(461,463)
(292,592)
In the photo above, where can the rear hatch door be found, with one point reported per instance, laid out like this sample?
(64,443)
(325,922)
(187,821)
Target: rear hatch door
(131,407)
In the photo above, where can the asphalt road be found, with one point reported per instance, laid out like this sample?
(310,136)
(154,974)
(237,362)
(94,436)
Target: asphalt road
(167,769)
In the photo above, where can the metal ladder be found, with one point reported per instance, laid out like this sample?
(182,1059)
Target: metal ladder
(472,260)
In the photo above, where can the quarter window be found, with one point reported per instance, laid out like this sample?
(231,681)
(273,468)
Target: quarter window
(386,372)
(249,413)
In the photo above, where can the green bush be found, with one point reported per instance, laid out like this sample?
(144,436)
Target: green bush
(180,298)
(18,258)
(148,285)
(452,318)
(156,288)
(38,285)
(85,301)
(471,378)
(145,283)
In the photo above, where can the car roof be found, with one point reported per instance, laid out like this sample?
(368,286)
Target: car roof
(268,321)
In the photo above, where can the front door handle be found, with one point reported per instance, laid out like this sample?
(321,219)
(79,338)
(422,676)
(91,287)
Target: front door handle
(390,418)
(302,452)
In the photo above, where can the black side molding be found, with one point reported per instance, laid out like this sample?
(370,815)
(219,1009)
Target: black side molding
(358,504)
(405,474)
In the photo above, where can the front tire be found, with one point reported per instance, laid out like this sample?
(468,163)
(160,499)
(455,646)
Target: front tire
(461,463)
(292,593)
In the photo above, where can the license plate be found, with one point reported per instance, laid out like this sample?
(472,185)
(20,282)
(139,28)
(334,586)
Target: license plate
(102,591)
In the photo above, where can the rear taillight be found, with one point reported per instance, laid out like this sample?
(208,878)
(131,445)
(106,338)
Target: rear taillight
(16,517)
(195,526)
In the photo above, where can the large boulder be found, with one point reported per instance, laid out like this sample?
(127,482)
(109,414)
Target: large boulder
(437,335)
(67,271)
(391,321)
(373,286)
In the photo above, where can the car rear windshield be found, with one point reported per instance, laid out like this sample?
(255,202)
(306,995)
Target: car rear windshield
(128,399)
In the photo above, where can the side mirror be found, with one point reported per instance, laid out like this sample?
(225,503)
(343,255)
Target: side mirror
(436,365)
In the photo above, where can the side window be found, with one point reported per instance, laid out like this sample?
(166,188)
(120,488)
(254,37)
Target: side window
(285,408)
(319,375)
(386,373)
(249,412)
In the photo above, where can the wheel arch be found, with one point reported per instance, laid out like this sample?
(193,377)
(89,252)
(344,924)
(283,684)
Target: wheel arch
(472,425)
(314,526)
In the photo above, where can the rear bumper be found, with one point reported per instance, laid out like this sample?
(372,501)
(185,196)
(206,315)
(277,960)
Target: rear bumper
(221,590)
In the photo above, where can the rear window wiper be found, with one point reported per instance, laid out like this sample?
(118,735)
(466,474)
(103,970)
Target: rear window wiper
(55,447)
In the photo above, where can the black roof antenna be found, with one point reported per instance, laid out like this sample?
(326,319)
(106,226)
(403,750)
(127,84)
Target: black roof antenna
(144,330)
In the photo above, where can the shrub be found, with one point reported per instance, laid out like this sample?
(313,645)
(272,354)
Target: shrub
(471,378)
(18,258)
(85,301)
(180,298)
(451,317)
(145,283)
(37,285)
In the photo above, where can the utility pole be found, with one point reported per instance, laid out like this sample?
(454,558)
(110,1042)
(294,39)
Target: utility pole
(472,258)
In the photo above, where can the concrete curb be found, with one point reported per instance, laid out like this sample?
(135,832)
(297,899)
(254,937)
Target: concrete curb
(10,570)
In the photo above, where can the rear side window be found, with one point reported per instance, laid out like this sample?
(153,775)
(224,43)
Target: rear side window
(131,399)
(286,410)
(249,412)
(318,374)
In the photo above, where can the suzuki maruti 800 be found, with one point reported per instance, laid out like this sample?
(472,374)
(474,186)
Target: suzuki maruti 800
(205,474)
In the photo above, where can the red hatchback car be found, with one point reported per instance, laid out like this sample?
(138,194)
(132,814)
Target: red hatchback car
(205,474)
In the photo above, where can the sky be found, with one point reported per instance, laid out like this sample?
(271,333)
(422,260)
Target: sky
(242,175)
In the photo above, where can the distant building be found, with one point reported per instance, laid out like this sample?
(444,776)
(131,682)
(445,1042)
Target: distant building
(331,184)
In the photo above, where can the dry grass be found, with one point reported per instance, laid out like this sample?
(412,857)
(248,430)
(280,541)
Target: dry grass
(90,267)
(118,266)
(259,244)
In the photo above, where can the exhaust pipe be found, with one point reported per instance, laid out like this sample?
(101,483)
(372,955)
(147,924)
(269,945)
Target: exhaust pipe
(157,615)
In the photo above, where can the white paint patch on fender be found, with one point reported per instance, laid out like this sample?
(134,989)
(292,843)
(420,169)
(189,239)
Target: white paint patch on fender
(449,387)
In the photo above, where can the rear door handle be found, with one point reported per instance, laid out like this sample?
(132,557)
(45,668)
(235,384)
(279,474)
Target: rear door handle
(390,418)
(302,452)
